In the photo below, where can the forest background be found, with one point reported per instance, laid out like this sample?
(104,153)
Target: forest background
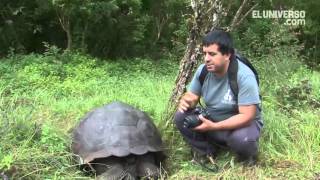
(59,59)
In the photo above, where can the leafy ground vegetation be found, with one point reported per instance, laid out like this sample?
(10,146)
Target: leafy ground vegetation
(43,96)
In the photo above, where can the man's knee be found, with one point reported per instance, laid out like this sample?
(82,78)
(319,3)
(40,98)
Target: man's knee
(243,145)
(178,119)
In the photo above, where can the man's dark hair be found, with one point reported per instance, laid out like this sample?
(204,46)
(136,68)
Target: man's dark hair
(222,39)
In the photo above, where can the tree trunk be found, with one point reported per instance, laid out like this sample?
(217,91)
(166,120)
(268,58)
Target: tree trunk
(69,36)
(83,37)
(64,20)
(207,15)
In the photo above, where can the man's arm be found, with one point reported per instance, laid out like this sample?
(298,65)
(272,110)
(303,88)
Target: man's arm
(191,98)
(187,101)
(246,115)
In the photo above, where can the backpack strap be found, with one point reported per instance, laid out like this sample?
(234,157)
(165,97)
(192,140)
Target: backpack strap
(233,76)
(203,75)
(248,63)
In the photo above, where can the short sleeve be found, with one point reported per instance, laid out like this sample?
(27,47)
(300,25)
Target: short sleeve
(195,86)
(248,91)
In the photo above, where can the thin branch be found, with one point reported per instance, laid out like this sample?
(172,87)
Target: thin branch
(246,14)
(61,20)
(237,16)
(227,10)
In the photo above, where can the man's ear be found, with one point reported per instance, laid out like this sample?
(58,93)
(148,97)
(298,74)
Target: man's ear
(227,56)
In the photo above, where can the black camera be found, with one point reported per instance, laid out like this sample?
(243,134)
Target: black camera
(193,120)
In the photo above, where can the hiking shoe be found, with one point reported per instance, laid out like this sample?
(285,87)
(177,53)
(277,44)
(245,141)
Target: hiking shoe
(205,161)
(198,157)
(248,161)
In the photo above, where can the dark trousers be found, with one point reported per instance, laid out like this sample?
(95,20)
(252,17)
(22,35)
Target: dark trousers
(243,141)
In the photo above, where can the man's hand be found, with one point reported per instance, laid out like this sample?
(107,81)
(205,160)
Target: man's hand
(206,125)
(244,118)
(187,101)
(185,104)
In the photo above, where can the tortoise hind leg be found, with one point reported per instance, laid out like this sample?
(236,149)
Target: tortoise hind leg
(116,173)
(131,172)
(111,169)
(147,168)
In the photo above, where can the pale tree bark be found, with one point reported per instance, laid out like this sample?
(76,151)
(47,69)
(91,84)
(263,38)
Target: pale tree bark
(83,36)
(160,23)
(207,16)
(239,16)
(64,21)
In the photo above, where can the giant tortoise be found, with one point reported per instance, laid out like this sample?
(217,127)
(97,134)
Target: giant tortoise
(119,141)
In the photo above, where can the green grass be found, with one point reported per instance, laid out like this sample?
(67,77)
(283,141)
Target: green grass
(42,97)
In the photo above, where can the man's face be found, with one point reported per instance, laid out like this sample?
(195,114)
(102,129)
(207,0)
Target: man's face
(214,60)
